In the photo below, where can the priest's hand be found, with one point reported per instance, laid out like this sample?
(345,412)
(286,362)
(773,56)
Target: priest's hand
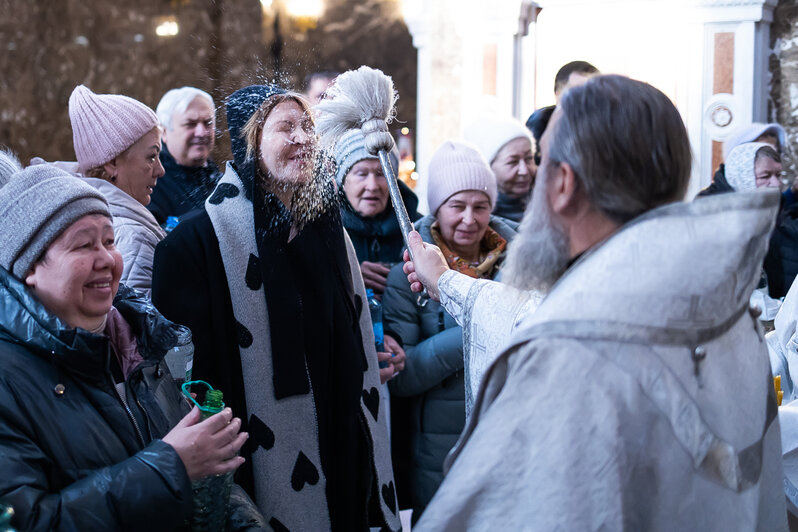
(427,266)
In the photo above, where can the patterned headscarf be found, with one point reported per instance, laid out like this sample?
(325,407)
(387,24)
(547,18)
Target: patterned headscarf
(740,166)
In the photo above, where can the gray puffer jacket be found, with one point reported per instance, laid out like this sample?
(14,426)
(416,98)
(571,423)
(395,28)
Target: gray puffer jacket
(433,374)
(136,233)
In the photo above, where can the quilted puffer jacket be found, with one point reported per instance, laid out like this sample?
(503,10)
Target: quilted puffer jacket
(73,454)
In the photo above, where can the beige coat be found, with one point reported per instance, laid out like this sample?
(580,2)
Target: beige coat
(136,233)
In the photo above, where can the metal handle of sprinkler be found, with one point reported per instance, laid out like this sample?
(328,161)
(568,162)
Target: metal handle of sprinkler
(401,211)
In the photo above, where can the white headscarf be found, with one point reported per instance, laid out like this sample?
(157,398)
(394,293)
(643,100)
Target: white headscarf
(740,166)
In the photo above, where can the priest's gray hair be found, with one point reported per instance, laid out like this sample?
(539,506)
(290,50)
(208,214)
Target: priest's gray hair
(626,143)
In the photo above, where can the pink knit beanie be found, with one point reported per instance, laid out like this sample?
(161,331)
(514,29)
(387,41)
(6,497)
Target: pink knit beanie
(105,125)
(455,167)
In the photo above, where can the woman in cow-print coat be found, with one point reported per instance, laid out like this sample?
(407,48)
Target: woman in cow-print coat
(268,282)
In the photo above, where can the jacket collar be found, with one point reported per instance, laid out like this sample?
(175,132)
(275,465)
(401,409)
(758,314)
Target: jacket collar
(27,322)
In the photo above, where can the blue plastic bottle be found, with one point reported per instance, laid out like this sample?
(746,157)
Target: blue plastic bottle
(375,308)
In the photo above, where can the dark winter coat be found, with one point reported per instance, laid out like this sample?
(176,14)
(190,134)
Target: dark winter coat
(73,456)
(781,262)
(433,375)
(182,188)
(719,184)
(378,239)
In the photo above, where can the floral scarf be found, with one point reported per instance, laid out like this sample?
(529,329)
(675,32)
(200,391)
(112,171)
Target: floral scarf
(490,249)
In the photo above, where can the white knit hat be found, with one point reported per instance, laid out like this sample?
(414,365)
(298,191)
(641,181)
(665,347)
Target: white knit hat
(455,167)
(750,133)
(105,125)
(490,134)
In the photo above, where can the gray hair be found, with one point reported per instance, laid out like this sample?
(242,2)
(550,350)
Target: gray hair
(626,143)
(177,100)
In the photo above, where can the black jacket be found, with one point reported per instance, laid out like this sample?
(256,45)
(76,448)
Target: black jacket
(781,262)
(72,455)
(182,188)
(719,184)
(379,239)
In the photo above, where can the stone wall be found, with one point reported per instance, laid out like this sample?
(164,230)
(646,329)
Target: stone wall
(783,104)
(50,47)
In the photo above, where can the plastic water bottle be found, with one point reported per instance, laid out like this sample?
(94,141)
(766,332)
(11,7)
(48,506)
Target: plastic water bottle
(171,223)
(180,359)
(212,493)
(375,308)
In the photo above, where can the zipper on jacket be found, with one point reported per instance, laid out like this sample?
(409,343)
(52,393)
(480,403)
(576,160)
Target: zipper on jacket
(128,411)
(122,400)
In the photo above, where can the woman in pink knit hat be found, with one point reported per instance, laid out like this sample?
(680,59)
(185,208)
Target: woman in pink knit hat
(461,195)
(117,141)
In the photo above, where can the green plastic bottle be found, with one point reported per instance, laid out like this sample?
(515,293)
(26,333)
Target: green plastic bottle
(212,493)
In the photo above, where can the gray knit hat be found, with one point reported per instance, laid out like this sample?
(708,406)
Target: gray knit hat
(36,206)
(455,167)
(9,165)
(351,149)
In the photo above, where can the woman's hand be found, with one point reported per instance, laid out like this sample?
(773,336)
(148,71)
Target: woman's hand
(394,356)
(398,358)
(375,275)
(208,447)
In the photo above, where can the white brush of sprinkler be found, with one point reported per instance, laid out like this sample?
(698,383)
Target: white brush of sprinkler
(364,99)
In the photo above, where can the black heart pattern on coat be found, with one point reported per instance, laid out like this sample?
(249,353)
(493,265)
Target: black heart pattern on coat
(389,496)
(254,278)
(244,336)
(371,399)
(260,435)
(304,472)
(223,191)
(277,526)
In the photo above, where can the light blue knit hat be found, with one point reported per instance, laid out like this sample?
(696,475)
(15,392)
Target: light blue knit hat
(351,149)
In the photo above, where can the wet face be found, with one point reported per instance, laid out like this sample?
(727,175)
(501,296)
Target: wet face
(463,220)
(287,144)
(78,276)
(514,166)
(137,169)
(191,135)
(366,188)
(767,172)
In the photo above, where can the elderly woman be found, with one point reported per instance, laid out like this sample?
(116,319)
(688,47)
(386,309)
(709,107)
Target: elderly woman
(461,195)
(509,149)
(366,209)
(268,282)
(757,165)
(91,435)
(117,141)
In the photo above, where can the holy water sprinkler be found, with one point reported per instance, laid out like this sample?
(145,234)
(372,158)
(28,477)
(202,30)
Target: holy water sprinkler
(365,99)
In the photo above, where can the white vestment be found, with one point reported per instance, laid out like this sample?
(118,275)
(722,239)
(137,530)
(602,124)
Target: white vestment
(638,396)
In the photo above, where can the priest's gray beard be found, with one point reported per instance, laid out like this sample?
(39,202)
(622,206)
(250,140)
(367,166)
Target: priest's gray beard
(540,252)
